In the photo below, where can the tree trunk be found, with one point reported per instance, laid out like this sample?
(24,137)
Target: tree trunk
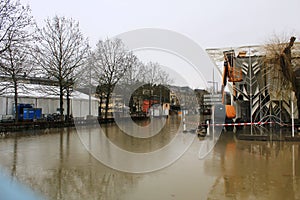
(68,104)
(61,103)
(100,107)
(16,101)
(106,104)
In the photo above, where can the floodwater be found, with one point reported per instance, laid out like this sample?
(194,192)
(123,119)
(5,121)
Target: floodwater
(58,164)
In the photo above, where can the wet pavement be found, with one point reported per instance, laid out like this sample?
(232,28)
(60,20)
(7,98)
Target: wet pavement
(56,164)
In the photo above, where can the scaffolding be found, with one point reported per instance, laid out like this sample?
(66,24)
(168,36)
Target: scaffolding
(263,94)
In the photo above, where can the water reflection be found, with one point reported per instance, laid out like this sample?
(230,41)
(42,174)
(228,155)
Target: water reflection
(123,152)
(129,143)
(56,164)
(257,170)
(15,157)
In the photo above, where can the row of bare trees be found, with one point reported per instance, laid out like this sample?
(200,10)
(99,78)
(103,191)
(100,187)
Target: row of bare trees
(118,69)
(59,52)
(55,51)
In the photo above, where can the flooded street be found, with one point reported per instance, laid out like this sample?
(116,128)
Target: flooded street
(57,164)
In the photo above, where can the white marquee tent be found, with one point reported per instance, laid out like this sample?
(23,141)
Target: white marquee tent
(43,96)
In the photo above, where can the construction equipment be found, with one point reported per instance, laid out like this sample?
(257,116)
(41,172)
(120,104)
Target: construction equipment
(233,74)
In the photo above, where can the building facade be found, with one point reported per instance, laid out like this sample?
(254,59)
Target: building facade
(264,94)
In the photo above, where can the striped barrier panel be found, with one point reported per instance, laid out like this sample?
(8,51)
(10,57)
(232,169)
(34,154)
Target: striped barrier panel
(236,124)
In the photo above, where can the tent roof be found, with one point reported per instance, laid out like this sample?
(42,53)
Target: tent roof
(40,91)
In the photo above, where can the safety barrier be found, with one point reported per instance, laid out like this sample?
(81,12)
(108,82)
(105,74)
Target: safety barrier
(238,124)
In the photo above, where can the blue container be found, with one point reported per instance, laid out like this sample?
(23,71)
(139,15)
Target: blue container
(25,114)
(38,113)
(21,108)
(31,113)
(28,113)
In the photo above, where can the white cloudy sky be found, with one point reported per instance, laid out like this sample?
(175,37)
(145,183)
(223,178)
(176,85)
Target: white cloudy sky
(210,23)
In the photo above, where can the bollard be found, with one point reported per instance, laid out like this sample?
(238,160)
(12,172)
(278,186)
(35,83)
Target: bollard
(208,127)
(184,125)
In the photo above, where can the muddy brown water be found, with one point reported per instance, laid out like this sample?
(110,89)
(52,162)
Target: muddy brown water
(56,165)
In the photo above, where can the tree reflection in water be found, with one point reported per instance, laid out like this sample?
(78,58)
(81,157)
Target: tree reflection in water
(56,164)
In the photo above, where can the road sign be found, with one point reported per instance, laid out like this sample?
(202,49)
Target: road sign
(212,99)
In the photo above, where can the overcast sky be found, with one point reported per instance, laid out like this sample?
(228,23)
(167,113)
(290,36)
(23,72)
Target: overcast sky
(211,23)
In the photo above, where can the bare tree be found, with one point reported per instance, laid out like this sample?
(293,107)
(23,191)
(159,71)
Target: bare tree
(111,63)
(16,32)
(61,52)
(153,73)
(136,73)
(278,52)
(156,75)
(279,68)
(13,19)
(150,73)
(15,66)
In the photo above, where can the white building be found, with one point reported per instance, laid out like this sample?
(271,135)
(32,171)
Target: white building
(42,96)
